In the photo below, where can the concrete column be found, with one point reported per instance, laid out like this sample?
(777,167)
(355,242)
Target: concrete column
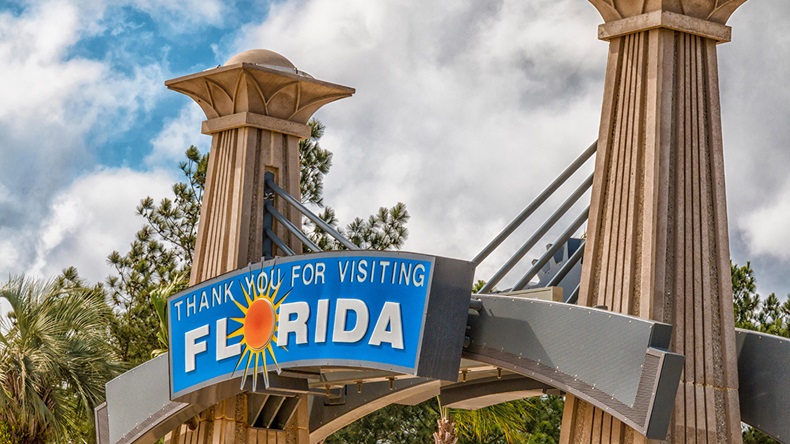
(257,105)
(657,242)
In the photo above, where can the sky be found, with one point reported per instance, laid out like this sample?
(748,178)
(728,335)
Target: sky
(465,114)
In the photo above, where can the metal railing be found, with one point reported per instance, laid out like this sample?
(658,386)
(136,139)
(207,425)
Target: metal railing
(270,214)
(539,234)
(271,239)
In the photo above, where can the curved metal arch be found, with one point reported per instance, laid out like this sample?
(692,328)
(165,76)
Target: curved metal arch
(326,418)
(631,376)
(488,391)
(138,407)
(628,378)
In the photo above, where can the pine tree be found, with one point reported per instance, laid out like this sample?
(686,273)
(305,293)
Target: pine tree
(159,257)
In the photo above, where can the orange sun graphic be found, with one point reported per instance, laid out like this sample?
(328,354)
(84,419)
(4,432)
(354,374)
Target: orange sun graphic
(258,328)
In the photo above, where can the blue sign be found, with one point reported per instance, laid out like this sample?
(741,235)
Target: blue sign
(360,309)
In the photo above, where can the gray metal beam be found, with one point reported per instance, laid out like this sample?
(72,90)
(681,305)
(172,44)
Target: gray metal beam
(102,423)
(630,375)
(286,412)
(255,403)
(326,419)
(764,382)
(139,409)
(555,247)
(269,412)
(479,393)
(269,180)
(568,265)
(269,206)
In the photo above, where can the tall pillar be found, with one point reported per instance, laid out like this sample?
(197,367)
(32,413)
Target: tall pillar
(257,105)
(657,242)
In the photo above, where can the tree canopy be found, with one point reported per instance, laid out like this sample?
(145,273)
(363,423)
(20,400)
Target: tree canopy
(54,358)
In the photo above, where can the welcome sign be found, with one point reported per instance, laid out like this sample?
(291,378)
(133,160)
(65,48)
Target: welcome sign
(392,311)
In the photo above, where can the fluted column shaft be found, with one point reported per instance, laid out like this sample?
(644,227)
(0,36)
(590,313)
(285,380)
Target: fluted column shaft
(230,234)
(657,242)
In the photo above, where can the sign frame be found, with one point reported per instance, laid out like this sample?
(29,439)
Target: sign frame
(441,327)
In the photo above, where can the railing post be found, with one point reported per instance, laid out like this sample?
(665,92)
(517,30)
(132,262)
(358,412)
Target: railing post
(268,195)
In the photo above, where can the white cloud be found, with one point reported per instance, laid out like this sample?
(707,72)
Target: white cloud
(766,228)
(35,79)
(57,110)
(754,96)
(463,113)
(92,217)
(46,93)
(466,112)
(177,135)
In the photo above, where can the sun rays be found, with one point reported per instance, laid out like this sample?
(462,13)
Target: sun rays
(258,330)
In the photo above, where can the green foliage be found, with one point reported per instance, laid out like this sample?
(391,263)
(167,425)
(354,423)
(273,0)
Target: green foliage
(503,422)
(386,229)
(314,164)
(160,255)
(546,419)
(159,300)
(479,286)
(5,434)
(754,436)
(394,424)
(751,311)
(54,358)
(745,300)
(532,420)
(774,317)
(318,236)
(381,231)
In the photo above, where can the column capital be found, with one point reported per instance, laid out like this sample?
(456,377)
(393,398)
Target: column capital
(242,119)
(260,82)
(665,20)
(717,11)
(706,18)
